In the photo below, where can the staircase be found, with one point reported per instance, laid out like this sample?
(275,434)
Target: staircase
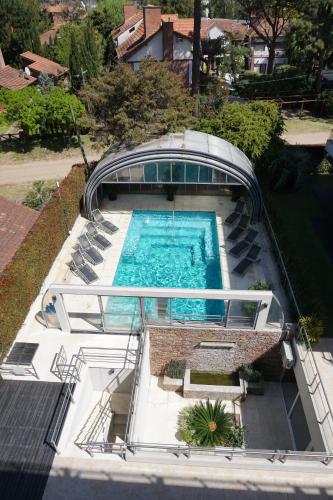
(117,428)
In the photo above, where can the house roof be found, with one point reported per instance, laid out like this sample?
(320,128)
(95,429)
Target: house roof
(42,65)
(15,223)
(234,26)
(49,35)
(131,21)
(12,78)
(265,28)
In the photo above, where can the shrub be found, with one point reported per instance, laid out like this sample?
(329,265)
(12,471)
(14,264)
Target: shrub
(20,282)
(38,195)
(208,424)
(176,368)
(249,307)
(287,169)
(325,167)
(250,374)
(313,327)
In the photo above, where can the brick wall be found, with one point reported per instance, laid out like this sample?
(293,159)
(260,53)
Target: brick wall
(263,348)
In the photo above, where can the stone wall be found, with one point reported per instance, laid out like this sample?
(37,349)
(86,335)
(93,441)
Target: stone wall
(263,348)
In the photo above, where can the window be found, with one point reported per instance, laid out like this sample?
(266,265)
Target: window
(131,29)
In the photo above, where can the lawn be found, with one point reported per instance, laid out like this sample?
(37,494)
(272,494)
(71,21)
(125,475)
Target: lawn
(17,192)
(304,224)
(307,125)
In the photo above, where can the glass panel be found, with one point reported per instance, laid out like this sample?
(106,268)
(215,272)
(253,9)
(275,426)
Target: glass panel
(157,311)
(164,172)
(232,180)
(121,314)
(178,172)
(290,391)
(205,175)
(242,313)
(191,172)
(83,312)
(124,175)
(150,172)
(218,177)
(299,426)
(137,173)
(185,310)
(111,178)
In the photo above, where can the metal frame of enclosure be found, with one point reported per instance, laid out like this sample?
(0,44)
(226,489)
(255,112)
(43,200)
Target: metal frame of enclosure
(189,158)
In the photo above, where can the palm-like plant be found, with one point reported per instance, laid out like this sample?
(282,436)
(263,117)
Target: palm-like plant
(209,424)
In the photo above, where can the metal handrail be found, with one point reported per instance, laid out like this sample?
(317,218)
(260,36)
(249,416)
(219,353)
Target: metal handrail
(298,311)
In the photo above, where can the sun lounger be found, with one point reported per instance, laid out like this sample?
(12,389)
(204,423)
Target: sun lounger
(104,224)
(80,268)
(243,245)
(96,238)
(90,253)
(251,258)
(239,229)
(231,219)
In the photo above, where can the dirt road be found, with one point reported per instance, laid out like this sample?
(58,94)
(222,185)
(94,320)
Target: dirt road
(19,173)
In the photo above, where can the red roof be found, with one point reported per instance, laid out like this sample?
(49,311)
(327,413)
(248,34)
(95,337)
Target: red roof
(131,21)
(15,223)
(12,78)
(232,26)
(40,64)
(266,29)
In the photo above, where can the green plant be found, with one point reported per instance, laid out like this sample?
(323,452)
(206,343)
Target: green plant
(250,307)
(250,374)
(38,195)
(313,326)
(176,368)
(325,167)
(206,424)
(237,437)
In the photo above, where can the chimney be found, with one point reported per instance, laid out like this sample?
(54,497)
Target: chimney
(151,19)
(167,30)
(2,61)
(129,10)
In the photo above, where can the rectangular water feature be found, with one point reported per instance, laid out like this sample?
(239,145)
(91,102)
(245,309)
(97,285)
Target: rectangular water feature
(173,250)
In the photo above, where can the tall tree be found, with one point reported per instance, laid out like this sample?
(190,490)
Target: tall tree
(21,23)
(104,24)
(196,48)
(269,19)
(310,37)
(227,9)
(184,8)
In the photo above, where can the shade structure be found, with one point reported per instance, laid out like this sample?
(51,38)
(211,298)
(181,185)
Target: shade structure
(190,147)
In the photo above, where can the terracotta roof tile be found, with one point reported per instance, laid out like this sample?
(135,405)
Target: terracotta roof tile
(11,78)
(234,26)
(15,223)
(40,64)
(131,21)
(132,40)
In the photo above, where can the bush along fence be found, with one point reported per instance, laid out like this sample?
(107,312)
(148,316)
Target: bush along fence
(22,279)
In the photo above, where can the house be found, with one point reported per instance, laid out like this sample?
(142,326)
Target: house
(161,36)
(259,55)
(15,223)
(12,78)
(37,65)
(216,28)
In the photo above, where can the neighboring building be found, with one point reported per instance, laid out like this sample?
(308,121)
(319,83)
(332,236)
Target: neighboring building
(15,223)
(217,28)
(161,36)
(37,65)
(12,78)
(258,58)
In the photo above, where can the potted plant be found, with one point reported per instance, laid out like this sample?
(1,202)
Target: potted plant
(174,375)
(313,326)
(254,381)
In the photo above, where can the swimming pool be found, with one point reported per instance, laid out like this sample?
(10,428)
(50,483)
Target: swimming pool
(174,250)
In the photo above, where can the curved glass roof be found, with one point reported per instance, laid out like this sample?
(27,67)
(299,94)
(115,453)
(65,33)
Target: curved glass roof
(189,147)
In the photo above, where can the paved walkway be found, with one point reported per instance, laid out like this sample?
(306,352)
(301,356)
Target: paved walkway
(307,139)
(20,173)
(98,479)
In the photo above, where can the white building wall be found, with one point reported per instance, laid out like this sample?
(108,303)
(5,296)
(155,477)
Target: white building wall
(214,33)
(123,37)
(153,48)
(182,48)
(141,403)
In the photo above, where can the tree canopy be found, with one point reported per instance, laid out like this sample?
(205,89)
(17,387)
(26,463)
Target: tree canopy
(184,8)
(226,9)
(128,105)
(21,23)
(40,113)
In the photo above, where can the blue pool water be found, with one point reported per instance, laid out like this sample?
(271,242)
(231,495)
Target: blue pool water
(174,250)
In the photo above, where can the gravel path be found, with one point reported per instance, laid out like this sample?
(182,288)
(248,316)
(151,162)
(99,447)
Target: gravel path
(308,138)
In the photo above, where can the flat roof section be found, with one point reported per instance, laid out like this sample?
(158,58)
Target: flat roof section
(27,411)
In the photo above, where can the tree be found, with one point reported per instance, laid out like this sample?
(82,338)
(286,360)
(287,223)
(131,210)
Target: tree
(269,19)
(226,9)
(102,21)
(127,105)
(38,196)
(310,37)
(233,62)
(21,23)
(184,8)
(196,48)
(114,9)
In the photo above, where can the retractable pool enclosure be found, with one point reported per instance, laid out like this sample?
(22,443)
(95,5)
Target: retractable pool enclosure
(181,159)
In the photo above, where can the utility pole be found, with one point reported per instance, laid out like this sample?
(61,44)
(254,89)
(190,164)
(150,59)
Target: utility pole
(196,49)
(79,141)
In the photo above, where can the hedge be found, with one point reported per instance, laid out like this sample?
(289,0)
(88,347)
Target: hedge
(22,279)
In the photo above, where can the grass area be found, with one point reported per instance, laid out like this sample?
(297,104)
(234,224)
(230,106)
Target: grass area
(307,125)
(304,225)
(43,149)
(17,192)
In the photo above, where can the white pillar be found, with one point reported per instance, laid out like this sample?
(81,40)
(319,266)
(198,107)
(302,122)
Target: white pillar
(62,313)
